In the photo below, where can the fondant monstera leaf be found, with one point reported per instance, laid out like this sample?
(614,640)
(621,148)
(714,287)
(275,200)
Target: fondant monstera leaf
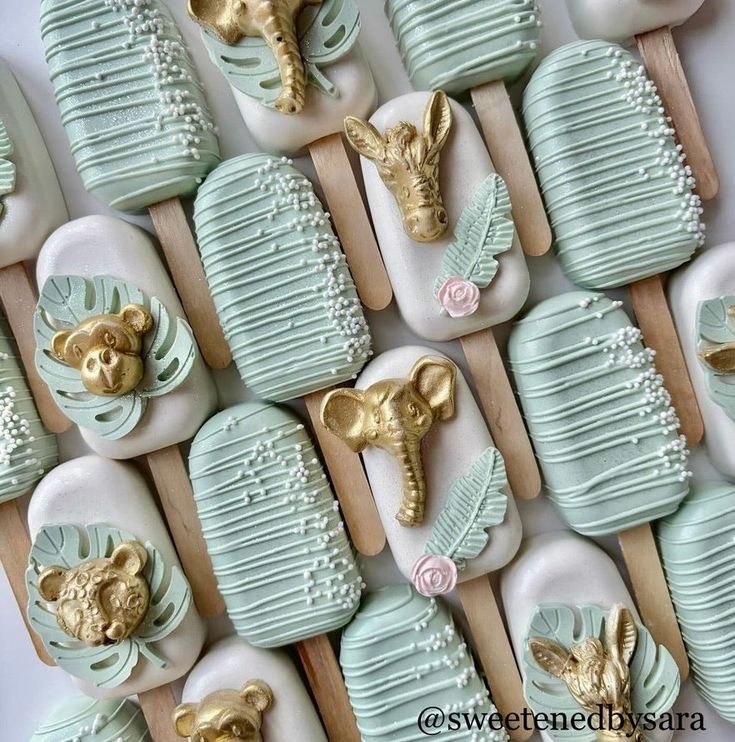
(7,168)
(716,326)
(326,32)
(169,351)
(106,666)
(475,502)
(654,675)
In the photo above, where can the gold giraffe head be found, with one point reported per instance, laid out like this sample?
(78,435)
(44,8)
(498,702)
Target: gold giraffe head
(107,350)
(395,415)
(100,601)
(408,163)
(596,674)
(225,715)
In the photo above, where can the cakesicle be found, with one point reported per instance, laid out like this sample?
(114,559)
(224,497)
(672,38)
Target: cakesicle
(277,543)
(287,303)
(561,592)
(440,488)
(482,46)
(31,208)
(651,23)
(442,216)
(106,592)
(138,125)
(296,70)
(605,434)
(230,678)
(122,363)
(617,189)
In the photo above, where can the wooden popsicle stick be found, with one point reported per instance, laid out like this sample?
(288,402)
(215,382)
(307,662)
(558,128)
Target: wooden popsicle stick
(654,319)
(652,593)
(349,482)
(502,413)
(328,686)
(351,221)
(158,706)
(490,641)
(184,262)
(15,546)
(18,295)
(177,498)
(661,59)
(510,158)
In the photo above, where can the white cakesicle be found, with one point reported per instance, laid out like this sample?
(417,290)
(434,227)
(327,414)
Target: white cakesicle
(230,663)
(621,20)
(710,276)
(35,206)
(91,490)
(412,266)
(105,246)
(448,451)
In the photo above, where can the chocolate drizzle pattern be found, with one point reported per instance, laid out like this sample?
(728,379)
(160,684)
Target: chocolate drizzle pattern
(278,546)
(602,423)
(615,183)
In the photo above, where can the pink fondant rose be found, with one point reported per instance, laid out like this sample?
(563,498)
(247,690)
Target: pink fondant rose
(434,575)
(459,296)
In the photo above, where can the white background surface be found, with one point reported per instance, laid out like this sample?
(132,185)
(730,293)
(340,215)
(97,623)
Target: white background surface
(705,44)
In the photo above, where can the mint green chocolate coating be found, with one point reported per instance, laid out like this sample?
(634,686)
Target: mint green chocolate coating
(130,100)
(277,543)
(7,168)
(716,327)
(696,547)
(455,45)
(601,421)
(617,191)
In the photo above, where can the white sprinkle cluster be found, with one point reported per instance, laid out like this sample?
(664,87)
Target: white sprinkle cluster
(15,431)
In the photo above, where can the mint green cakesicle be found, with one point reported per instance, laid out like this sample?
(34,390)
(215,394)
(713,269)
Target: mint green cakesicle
(27,449)
(7,168)
(280,283)
(130,100)
(277,543)
(615,183)
(402,654)
(696,550)
(455,45)
(601,421)
(84,719)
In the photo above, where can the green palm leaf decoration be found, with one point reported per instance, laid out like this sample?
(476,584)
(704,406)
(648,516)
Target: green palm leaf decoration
(106,666)
(169,351)
(716,326)
(7,168)
(326,33)
(476,502)
(654,675)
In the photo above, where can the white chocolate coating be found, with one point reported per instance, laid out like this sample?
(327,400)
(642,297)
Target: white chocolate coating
(711,275)
(413,267)
(620,20)
(230,663)
(36,207)
(105,246)
(92,489)
(281,134)
(448,450)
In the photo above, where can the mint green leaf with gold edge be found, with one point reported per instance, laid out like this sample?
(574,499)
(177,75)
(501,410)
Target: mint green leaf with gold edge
(7,168)
(715,325)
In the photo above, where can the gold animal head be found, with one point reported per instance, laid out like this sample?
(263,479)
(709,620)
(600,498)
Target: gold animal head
(596,674)
(107,349)
(395,415)
(101,601)
(720,357)
(408,163)
(225,715)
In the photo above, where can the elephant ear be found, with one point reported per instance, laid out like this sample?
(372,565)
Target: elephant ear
(343,412)
(184,719)
(216,18)
(434,379)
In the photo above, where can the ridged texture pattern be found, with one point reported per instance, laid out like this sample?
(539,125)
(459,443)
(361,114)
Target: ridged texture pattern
(402,654)
(86,720)
(27,449)
(278,547)
(615,184)
(696,546)
(455,45)
(601,421)
(280,283)
(130,100)
(7,168)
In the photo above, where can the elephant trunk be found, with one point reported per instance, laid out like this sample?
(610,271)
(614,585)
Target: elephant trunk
(411,512)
